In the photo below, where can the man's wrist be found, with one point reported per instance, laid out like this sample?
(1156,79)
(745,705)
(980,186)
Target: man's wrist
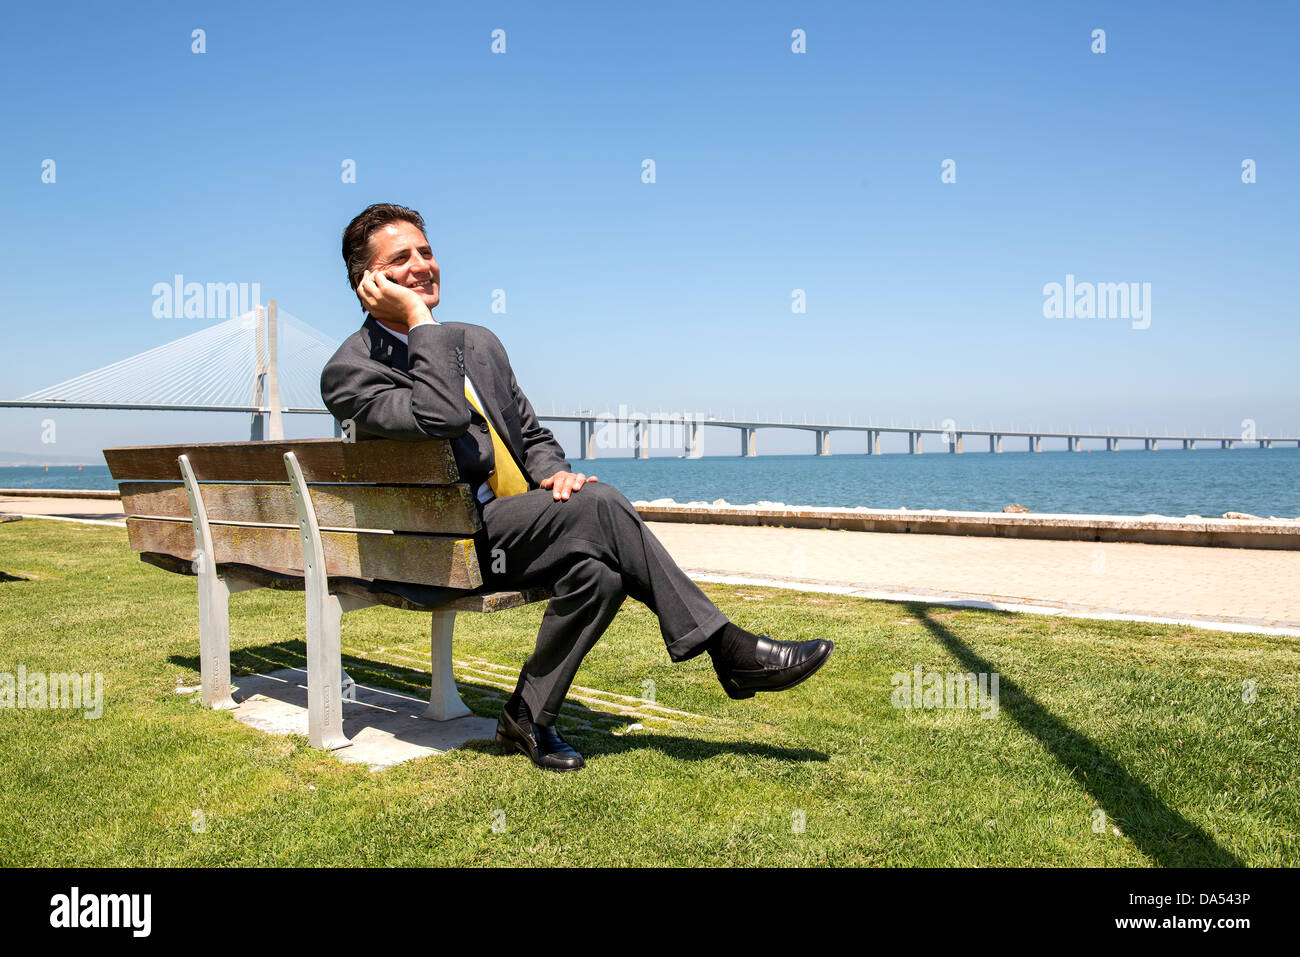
(418,317)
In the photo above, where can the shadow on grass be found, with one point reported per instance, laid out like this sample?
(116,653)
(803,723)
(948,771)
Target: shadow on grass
(487,700)
(6,577)
(593,743)
(1159,832)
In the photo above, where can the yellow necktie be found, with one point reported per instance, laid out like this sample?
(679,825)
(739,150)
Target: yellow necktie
(506,479)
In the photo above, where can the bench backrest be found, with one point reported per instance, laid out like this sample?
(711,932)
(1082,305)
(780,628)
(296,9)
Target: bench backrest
(387,510)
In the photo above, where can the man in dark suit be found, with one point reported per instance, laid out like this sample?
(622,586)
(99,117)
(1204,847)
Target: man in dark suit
(404,375)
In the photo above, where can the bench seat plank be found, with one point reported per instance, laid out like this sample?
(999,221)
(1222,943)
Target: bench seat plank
(410,598)
(378,461)
(436,509)
(420,559)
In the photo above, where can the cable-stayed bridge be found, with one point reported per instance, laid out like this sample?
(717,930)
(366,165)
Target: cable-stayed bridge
(267,363)
(264,362)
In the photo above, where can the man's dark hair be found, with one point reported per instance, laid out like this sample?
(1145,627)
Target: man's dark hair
(356,238)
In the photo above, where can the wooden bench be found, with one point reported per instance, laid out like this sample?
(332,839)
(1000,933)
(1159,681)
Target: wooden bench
(352,524)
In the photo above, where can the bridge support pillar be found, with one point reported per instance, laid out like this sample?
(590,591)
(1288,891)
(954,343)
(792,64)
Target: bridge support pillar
(692,439)
(914,443)
(748,442)
(823,442)
(954,442)
(582,440)
(642,448)
(873,442)
(1035,443)
(1072,443)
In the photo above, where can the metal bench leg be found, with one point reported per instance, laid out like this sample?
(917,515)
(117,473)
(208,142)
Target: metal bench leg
(324,623)
(214,637)
(325,672)
(214,600)
(444,699)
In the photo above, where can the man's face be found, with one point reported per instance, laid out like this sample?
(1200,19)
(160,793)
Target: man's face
(403,254)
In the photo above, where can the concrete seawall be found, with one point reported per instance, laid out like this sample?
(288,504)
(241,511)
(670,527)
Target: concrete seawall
(1149,529)
(84,493)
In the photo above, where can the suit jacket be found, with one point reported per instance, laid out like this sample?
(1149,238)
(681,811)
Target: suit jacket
(415,391)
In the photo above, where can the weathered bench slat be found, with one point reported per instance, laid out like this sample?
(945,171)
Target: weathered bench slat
(435,598)
(445,561)
(379,461)
(436,509)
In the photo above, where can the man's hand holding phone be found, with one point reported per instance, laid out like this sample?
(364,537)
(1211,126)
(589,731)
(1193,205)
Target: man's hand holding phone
(390,302)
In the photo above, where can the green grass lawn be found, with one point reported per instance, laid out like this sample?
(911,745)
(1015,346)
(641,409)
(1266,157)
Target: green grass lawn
(1146,724)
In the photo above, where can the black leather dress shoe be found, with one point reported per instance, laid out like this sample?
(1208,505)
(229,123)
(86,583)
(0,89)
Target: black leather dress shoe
(542,743)
(781,665)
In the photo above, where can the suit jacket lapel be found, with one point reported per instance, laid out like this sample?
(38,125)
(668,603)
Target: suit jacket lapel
(481,372)
(478,369)
(386,347)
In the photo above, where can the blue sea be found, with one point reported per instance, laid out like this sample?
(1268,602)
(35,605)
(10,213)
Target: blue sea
(1204,482)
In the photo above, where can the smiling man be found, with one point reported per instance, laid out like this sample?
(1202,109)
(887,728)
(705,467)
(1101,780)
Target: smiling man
(404,375)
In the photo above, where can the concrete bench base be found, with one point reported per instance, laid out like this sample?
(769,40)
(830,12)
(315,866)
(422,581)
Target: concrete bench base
(382,725)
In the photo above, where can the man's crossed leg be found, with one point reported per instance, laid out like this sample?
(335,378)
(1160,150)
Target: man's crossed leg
(593,550)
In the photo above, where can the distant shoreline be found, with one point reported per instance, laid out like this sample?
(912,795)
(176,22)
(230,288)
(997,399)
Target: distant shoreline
(48,465)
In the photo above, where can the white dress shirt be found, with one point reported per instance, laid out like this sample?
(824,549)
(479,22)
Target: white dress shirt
(484,492)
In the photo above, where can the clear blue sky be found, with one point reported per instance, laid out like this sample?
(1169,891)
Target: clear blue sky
(775,171)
